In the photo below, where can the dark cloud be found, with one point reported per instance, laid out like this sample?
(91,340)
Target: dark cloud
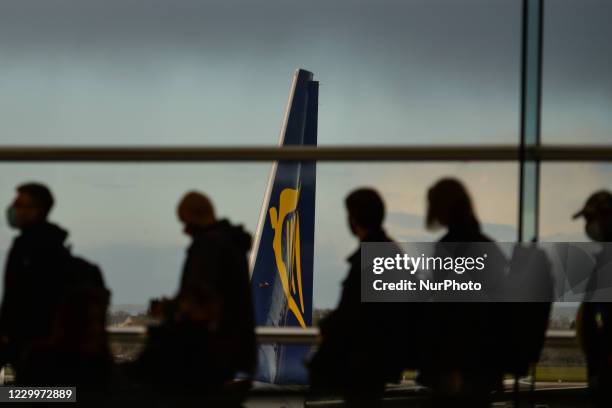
(470,36)
(578,37)
(440,30)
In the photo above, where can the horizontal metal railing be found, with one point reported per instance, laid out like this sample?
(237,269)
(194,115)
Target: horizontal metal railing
(321,153)
(265,334)
(296,335)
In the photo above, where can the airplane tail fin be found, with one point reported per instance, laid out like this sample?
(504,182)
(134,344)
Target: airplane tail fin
(282,257)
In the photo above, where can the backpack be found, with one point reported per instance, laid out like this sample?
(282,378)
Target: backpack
(82,274)
(75,351)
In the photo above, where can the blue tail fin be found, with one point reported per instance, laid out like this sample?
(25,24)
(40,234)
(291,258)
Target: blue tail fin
(282,258)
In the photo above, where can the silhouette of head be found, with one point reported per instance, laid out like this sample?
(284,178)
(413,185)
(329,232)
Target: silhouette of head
(366,211)
(597,213)
(449,205)
(30,207)
(195,210)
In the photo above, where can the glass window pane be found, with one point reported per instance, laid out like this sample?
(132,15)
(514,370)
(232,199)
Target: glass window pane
(577,72)
(123,216)
(493,188)
(218,72)
(564,189)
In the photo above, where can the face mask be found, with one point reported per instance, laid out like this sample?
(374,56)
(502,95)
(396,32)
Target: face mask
(435,226)
(594,231)
(11,217)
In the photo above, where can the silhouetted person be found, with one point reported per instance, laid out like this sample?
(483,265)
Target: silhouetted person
(595,324)
(354,358)
(460,344)
(31,283)
(54,309)
(207,333)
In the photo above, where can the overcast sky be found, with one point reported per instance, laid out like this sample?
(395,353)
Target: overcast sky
(138,72)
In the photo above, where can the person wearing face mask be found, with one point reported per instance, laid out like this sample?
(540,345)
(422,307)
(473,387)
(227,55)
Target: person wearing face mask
(594,320)
(31,278)
(207,334)
(53,313)
(597,213)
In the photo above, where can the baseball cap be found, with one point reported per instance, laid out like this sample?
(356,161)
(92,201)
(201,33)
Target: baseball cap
(599,202)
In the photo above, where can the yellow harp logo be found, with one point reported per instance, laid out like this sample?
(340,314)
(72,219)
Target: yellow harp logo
(286,222)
